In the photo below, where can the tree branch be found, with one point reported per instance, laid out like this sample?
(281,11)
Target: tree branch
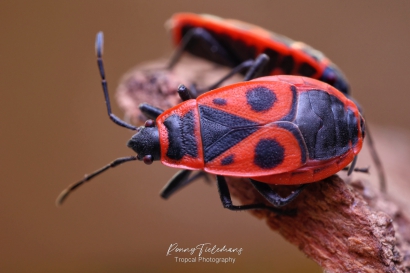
(343,227)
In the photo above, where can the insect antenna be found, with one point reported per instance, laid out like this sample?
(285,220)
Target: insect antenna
(64,194)
(99,49)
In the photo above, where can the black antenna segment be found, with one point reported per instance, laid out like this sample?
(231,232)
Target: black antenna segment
(99,41)
(64,194)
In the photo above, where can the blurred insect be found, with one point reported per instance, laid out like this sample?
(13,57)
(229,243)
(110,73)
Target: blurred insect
(231,42)
(283,130)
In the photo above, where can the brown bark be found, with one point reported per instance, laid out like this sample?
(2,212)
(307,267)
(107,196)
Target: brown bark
(344,227)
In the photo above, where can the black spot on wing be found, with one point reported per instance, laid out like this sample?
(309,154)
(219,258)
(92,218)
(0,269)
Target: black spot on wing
(219,101)
(227,160)
(260,98)
(268,153)
(220,131)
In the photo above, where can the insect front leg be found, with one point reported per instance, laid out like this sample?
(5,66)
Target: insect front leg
(150,111)
(180,180)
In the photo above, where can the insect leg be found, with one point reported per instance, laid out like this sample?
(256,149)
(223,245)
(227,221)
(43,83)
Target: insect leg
(257,67)
(254,68)
(274,198)
(352,165)
(226,200)
(246,64)
(184,93)
(150,111)
(373,151)
(191,93)
(359,170)
(202,38)
(377,161)
(180,180)
(235,70)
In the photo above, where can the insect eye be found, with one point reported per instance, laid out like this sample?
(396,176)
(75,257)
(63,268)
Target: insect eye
(148,159)
(149,123)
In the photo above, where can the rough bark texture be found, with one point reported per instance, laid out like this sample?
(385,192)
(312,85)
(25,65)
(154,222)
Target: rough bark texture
(344,227)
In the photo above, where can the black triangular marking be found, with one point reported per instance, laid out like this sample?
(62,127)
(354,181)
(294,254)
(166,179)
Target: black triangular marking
(224,118)
(220,131)
(214,131)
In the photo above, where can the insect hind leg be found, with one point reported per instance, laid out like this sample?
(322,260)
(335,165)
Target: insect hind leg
(273,197)
(226,200)
(255,67)
(208,45)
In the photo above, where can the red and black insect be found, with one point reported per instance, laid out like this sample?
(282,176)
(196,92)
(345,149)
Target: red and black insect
(273,130)
(233,42)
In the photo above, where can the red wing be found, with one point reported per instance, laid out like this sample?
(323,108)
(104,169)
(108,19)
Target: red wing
(271,149)
(311,172)
(262,102)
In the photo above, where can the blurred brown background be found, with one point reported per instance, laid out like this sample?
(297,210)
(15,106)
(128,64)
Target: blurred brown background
(54,129)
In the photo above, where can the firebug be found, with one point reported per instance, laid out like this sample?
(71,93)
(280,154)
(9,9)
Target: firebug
(283,130)
(231,42)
